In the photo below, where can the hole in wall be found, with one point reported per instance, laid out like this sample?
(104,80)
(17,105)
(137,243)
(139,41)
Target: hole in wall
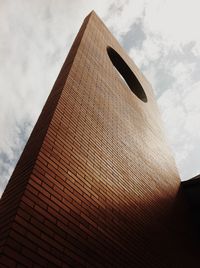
(126,74)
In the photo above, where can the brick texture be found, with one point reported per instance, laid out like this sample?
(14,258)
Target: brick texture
(96,185)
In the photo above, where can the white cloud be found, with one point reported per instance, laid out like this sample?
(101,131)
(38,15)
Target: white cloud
(180,110)
(176,21)
(122,14)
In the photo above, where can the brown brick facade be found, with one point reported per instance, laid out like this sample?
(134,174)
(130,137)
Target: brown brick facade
(96,185)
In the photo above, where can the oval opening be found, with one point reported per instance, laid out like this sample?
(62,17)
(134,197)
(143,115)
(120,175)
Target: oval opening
(127,74)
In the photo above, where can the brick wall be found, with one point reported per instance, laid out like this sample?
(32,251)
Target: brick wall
(96,185)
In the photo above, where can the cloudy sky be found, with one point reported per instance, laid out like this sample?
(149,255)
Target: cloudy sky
(161,36)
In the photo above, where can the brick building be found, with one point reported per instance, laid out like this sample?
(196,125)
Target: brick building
(96,185)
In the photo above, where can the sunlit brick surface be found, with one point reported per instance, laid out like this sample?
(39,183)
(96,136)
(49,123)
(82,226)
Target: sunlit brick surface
(96,185)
